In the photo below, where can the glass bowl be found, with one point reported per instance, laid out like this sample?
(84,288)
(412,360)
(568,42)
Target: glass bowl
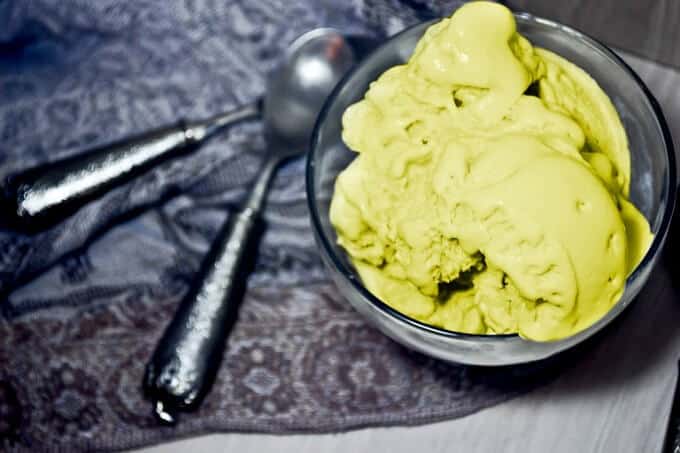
(653,183)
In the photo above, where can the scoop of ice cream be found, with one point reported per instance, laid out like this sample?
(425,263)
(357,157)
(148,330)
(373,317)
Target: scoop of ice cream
(477,205)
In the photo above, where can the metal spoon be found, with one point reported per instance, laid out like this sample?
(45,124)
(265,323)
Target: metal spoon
(186,359)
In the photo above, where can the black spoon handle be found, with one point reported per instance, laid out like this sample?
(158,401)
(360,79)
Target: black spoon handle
(672,441)
(40,197)
(187,357)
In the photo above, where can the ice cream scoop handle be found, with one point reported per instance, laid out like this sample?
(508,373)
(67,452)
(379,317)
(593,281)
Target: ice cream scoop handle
(44,195)
(188,354)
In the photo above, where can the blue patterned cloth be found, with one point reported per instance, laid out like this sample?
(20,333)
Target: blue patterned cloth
(77,73)
(87,301)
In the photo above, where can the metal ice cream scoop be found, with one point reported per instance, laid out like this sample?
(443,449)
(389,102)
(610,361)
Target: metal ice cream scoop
(186,359)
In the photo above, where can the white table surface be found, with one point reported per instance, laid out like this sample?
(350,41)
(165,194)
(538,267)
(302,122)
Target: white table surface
(616,400)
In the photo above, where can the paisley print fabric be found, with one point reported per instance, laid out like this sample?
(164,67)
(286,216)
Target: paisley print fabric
(84,303)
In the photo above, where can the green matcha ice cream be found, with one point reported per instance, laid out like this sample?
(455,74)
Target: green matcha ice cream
(489,192)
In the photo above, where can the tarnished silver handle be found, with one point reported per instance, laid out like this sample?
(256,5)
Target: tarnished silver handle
(187,357)
(40,197)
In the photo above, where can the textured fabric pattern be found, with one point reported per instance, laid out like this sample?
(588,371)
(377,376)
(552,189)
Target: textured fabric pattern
(98,289)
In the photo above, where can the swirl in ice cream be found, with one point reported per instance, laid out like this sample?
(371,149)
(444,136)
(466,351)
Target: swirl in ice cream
(490,190)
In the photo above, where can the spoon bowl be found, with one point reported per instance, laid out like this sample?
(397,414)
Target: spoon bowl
(313,65)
